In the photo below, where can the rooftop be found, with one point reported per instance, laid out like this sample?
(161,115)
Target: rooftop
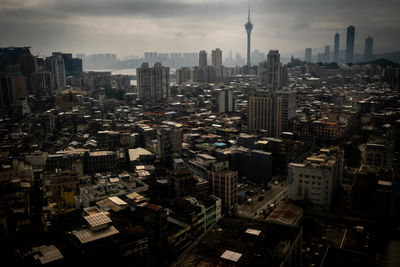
(47,254)
(134,154)
(244,241)
(206,156)
(97,219)
(288,213)
(86,235)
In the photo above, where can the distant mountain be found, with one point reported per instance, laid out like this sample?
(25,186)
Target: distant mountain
(383,62)
(392,56)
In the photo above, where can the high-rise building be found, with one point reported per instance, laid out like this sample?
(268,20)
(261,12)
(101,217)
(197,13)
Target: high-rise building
(249,27)
(55,64)
(28,66)
(265,113)
(350,44)
(369,43)
(169,142)
(73,66)
(288,107)
(7,92)
(216,56)
(271,73)
(336,48)
(153,83)
(274,61)
(203,59)
(320,57)
(222,101)
(257,56)
(327,54)
(42,83)
(283,76)
(308,55)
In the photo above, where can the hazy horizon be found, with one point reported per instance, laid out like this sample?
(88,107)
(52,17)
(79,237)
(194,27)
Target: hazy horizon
(133,27)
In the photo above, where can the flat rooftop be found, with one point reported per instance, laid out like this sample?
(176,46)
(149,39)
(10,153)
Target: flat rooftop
(243,242)
(287,213)
(134,154)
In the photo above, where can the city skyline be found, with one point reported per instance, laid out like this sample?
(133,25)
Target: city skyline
(104,26)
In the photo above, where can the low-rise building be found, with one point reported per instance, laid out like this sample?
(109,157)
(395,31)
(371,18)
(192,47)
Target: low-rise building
(237,241)
(107,186)
(316,179)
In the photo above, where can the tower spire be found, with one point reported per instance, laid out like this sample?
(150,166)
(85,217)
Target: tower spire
(248,26)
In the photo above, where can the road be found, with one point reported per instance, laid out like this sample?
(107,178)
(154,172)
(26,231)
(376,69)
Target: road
(272,196)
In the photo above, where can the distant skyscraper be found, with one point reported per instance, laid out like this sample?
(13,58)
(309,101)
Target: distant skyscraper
(336,49)
(350,44)
(150,57)
(308,55)
(320,57)
(153,83)
(271,73)
(248,26)
(369,43)
(216,58)
(327,53)
(55,64)
(203,58)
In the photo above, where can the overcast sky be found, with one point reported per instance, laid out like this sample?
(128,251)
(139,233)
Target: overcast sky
(131,27)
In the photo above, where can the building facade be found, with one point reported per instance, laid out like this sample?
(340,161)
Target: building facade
(327,54)
(216,57)
(336,48)
(153,83)
(222,101)
(350,44)
(55,64)
(369,43)
(316,179)
(265,113)
(202,59)
(308,55)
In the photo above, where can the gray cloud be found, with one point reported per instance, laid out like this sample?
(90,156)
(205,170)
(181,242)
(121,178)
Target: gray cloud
(132,27)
